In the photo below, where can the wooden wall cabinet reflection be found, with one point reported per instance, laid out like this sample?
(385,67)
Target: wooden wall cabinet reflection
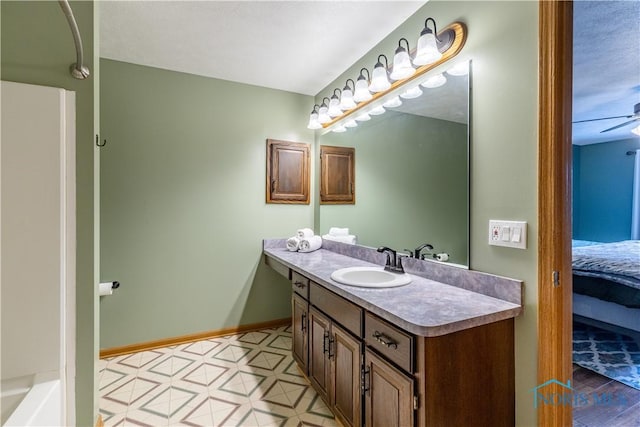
(337,175)
(288,171)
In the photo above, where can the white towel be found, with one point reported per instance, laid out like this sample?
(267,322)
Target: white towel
(304,232)
(310,244)
(349,239)
(335,231)
(293,243)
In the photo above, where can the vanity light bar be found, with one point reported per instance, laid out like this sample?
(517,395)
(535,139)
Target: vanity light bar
(447,43)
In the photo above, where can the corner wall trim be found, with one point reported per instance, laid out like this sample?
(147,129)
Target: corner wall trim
(150,345)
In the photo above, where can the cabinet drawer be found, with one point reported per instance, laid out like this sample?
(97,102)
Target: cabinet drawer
(390,341)
(339,309)
(300,284)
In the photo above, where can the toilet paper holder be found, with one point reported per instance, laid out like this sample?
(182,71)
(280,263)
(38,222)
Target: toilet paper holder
(106,288)
(114,285)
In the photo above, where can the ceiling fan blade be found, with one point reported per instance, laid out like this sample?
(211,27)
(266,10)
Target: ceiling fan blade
(621,125)
(604,118)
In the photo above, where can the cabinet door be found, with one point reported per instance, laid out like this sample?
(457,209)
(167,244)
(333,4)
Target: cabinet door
(287,172)
(388,394)
(299,309)
(337,175)
(345,355)
(319,366)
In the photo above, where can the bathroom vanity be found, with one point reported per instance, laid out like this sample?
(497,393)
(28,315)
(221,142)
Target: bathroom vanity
(424,354)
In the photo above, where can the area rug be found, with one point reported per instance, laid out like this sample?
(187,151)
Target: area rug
(610,354)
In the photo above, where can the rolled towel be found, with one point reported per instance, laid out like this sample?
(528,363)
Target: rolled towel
(349,239)
(310,244)
(293,243)
(335,231)
(304,233)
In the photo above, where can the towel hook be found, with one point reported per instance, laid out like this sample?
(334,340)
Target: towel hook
(98,142)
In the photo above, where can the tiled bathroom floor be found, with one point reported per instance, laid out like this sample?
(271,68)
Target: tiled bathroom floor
(247,379)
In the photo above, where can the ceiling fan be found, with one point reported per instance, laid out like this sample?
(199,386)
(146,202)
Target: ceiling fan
(634,118)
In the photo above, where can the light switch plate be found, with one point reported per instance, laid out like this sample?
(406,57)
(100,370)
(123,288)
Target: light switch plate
(510,234)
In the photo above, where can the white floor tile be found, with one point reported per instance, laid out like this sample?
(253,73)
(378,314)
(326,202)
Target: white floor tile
(247,380)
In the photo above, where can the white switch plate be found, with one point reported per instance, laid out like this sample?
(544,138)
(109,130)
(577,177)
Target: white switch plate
(511,234)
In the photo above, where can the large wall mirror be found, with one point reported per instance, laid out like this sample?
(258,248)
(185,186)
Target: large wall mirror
(412,173)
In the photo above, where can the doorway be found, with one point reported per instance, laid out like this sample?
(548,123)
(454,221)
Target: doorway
(555,280)
(554,205)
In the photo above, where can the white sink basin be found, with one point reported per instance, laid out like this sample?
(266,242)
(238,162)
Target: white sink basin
(370,277)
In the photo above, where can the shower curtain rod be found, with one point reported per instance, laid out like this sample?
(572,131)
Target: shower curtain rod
(78,69)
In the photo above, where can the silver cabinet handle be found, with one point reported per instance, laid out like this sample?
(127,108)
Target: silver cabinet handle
(385,340)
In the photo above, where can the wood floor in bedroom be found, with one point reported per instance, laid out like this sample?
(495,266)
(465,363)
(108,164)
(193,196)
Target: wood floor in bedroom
(622,411)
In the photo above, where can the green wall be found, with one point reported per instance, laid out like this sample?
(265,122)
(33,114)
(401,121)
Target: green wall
(37,48)
(183,210)
(403,163)
(603,190)
(503,44)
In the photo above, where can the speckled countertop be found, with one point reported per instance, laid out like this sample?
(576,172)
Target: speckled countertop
(424,307)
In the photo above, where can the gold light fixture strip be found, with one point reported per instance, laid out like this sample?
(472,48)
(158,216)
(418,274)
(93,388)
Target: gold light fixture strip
(460,31)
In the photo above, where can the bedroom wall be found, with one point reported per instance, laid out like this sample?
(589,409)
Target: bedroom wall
(603,185)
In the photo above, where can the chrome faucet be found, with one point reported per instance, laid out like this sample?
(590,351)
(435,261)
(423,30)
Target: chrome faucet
(394,262)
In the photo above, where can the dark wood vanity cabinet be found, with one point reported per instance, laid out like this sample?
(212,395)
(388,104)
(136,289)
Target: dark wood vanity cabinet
(300,328)
(373,373)
(346,363)
(319,364)
(388,394)
(300,320)
(334,367)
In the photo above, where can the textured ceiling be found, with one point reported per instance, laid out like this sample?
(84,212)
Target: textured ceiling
(297,46)
(606,68)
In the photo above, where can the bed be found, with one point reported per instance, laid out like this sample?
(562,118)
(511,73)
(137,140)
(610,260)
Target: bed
(606,285)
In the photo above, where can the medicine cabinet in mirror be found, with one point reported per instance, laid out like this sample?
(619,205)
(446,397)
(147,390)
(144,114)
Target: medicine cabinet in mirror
(337,177)
(412,171)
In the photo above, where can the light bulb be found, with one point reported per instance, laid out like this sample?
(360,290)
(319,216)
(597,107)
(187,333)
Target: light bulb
(362,91)
(350,124)
(435,81)
(402,67)
(323,116)
(460,69)
(339,129)
(363,117)
(414,92)
(427,51)
(334,107)
(379,80)
(393,103)
(346,100)
(377,110)
(313,121)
